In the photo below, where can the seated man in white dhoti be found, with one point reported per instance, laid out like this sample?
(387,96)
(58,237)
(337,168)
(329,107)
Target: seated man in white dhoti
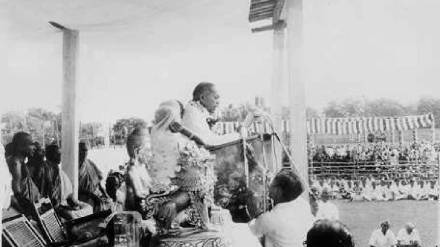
(327,209)
(376,193)
(403,191)
(408,236)
(413,191)
(198,115)
(433,192)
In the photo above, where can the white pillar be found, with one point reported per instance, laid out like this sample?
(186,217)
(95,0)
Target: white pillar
(70,123)
(278,82)
(296,89)
(278,75)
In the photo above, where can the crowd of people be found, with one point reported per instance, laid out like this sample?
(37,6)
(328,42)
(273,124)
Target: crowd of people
(384,188)
(381,152)
(180,168)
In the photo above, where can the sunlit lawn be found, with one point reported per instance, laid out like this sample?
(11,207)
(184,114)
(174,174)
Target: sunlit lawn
(363,217)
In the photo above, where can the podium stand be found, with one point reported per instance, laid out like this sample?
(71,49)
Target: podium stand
(234,185)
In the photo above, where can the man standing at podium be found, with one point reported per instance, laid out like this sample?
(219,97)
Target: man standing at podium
(198,116)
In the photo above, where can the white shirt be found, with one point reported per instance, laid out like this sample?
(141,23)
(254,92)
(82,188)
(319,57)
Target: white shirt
(377,239)
(327,210)
(285,225)
(406,238)
(195,119)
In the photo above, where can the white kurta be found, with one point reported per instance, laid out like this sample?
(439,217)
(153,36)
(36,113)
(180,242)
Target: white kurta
(404,238)
(327,210)
(378,239)
(285,225)
(196,118)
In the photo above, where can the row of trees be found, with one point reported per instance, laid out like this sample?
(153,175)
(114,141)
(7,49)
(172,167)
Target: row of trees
(380,107)
(45,126)
(351,108)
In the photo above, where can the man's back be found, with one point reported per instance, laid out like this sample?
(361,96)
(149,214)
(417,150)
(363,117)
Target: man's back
(286,224)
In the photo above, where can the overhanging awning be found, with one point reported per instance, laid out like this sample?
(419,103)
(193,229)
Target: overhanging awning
(266,10)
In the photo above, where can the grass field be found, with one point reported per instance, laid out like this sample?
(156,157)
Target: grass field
(363,217)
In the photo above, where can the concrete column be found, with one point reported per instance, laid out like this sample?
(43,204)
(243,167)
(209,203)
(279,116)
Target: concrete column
(277,93)
(296,88)
(70,123)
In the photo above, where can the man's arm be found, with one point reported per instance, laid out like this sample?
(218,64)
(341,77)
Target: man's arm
(15,169)
(137,184)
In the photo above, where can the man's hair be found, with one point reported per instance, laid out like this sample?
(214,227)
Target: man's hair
(19,140)
(328,233)
(201,88)
(52,152)
(83,145)
(9,149)
(288,185)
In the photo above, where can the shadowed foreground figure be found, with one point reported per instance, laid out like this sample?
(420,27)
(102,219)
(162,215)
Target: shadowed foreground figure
(25,190)
(138,181)
(328,233)
(61,188)
(90,189)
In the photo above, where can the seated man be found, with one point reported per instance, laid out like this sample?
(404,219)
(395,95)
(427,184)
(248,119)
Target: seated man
(413,191)
(25,190)
(90,177)
(390,192)
(433,193)
(288,222)
(327,209)
(60,189)
(403,189)
(138,183)
(408,236)
(382,237)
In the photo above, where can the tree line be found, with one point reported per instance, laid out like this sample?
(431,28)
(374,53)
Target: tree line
(45,126)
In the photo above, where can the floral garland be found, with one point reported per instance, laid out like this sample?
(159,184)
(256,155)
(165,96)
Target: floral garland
(210,119)
(196,170)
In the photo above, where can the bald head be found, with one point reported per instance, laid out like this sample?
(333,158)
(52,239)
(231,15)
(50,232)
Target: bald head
(206,94)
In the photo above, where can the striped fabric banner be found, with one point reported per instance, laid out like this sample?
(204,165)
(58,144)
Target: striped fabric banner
(340,126)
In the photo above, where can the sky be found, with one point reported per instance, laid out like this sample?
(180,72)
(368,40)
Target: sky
(135,54)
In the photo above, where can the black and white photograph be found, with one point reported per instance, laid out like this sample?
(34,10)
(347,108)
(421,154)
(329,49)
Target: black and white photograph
(220,123)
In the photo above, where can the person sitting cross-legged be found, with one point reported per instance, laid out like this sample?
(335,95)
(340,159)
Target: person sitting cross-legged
(382,237)
(61,189)
(327,209)
(408,236)
(90,177)
(24,188)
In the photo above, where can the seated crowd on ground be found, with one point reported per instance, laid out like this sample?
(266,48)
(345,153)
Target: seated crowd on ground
(380,152)
(384,188)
